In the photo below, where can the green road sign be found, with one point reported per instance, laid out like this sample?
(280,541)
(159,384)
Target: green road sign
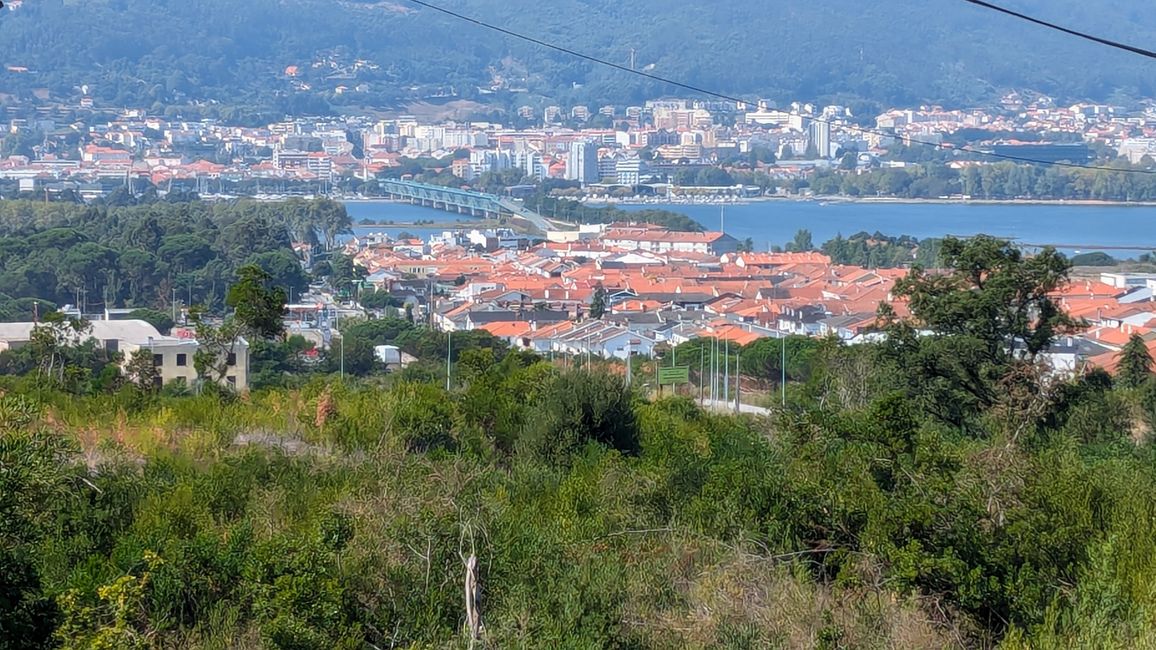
(674,375)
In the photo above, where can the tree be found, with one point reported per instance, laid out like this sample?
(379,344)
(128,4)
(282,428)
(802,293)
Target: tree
(51,340)
(598,303)
(379,300)
(284,269)
(581,407)
(746,246)
(36,482)
(802,242)
(345,272)
(141,370)
(331,218)
(972,326)
(1135,363)
(258,307)
(216,347)
(158,319)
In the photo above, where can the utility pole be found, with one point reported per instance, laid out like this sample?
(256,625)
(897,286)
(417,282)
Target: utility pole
(342,357)
(738,381)
(628,361)
(727,371)
(701,385)
(657,386)
(710,371)
(714,371)
(449,350)
(783,369)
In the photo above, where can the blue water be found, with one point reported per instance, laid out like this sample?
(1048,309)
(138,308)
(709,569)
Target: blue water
(1120,230)
(386,211)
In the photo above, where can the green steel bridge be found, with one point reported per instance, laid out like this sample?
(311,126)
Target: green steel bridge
(478,204)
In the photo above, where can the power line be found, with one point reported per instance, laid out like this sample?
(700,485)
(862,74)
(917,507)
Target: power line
(718,95)
(1060,28)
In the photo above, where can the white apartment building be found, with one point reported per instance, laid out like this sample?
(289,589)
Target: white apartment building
(582,164)
(173,356)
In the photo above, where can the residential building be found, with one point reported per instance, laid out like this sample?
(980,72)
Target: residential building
(819,133)
(582,164)
(172,355)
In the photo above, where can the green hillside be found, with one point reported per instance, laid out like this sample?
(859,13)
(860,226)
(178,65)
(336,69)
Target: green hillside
(888,52)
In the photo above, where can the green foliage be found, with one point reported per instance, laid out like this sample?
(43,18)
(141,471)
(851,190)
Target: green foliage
(801,243)
(1093,259)
(168,64)
(877,250)
(580,407)
(598,303)
(578,212)
(162,321)
(1135,363)
(34,486)
(379,300)
(142,255)
(763,358)
(989,316)
(338,514)
(258,306)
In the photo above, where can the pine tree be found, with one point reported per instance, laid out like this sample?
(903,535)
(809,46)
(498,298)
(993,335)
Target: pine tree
(1135,363)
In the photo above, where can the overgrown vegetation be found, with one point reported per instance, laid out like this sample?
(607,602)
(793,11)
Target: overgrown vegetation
(866,513)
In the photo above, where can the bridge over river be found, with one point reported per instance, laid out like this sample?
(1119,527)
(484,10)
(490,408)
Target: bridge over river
(478,204)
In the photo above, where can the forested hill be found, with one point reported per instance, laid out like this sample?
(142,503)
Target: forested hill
(172,53)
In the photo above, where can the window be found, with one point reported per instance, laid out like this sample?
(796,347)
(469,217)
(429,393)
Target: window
(182,359)
(232,381)
(232,360)
(158,360)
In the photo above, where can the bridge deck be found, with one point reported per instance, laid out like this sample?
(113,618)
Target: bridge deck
(458,200)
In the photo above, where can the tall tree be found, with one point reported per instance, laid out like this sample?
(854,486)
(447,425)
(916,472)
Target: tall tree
(802,242)
(971,326)
(258,306)
(1135,362)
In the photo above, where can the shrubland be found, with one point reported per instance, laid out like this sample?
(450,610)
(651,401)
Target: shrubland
(930,491)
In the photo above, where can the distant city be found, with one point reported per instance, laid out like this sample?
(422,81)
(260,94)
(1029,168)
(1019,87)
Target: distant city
(664,147)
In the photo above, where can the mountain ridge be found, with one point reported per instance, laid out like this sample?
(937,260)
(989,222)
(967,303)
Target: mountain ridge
(170,53)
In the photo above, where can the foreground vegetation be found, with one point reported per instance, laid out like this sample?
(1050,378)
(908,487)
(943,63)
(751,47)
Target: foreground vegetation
(934,490)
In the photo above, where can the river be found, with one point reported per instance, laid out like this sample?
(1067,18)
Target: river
(1120,230)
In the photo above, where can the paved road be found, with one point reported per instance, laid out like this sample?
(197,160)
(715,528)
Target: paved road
(535,219)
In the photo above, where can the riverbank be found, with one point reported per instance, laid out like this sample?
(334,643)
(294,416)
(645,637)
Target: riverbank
(872,200)
(435,225)
(964,201)
(774,222)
